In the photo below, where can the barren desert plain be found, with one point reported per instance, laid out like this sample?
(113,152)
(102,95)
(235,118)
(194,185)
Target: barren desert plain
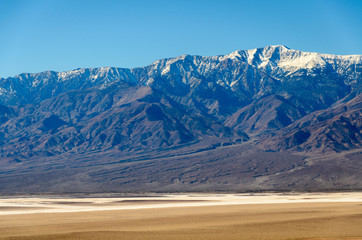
(183,216)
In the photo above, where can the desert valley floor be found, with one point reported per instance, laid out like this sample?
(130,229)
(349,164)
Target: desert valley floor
(183,216)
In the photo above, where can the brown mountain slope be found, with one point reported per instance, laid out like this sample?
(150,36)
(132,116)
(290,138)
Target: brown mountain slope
(336,129)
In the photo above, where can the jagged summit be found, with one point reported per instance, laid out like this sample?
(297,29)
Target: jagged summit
(276,54)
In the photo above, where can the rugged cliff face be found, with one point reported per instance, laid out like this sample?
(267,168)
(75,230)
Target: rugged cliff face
(245,108)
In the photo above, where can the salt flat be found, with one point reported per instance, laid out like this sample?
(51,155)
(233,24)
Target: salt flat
(52,204)
(184,216)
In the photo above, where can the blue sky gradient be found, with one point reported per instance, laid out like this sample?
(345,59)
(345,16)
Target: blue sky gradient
(62,35)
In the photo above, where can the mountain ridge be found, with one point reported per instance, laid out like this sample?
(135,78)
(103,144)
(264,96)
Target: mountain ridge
(242,54)
(240,109)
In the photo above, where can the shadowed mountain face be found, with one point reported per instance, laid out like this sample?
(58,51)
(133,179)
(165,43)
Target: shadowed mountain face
(260,119)
(335,129)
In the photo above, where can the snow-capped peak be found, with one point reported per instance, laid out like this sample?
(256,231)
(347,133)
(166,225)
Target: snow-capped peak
(280,56)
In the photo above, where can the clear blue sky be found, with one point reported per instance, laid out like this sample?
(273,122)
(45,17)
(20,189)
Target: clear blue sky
(60,35)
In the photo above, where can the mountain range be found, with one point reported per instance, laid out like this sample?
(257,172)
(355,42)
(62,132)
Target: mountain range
(264,119)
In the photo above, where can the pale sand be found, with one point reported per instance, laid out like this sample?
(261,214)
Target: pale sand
(202,216)
(70,204)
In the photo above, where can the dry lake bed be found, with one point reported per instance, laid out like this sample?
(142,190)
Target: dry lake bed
(314,216)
